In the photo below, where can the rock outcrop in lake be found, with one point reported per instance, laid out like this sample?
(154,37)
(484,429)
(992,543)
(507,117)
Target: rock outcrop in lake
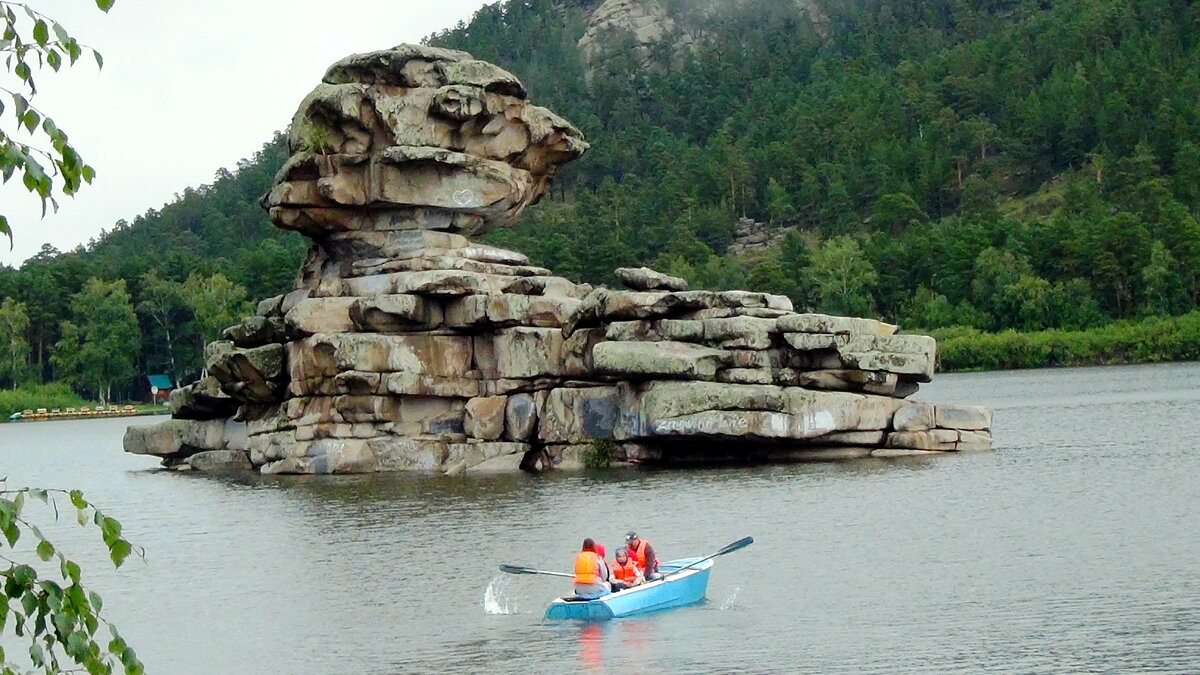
(406,346)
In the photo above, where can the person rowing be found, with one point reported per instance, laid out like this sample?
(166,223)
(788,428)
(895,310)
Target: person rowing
(591,572)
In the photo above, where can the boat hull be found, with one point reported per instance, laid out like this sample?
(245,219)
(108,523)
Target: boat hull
(686,588)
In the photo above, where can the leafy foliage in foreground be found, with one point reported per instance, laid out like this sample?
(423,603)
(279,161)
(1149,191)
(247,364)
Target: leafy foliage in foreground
(44,600)
(30,41)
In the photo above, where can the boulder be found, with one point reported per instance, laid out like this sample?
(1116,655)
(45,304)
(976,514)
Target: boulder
(319,315)
(485,417)
(932,439)
(646,279)
(707,409)
(202,400)
(913,355)
(220,460)
(176,437)
(657,359)
(394,313)
(915,416)
(578,415)
(823,323)
(520,417)
(251,374)
(974,441)
(968,417)
(477,454)
(328,354)
(523,352)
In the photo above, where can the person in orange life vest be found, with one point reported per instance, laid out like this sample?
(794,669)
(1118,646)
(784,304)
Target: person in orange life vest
(591,572)
(625,573)
(643,555)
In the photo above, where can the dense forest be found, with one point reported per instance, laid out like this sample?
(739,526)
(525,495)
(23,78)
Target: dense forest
(989,164)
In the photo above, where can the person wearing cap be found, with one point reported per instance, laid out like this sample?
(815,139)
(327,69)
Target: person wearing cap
(642,554)
(591,572)
(625,572)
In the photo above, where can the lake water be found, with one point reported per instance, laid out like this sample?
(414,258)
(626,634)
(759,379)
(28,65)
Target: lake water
(1074,547)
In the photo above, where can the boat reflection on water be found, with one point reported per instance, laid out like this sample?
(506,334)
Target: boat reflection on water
(591,646)
(630,636)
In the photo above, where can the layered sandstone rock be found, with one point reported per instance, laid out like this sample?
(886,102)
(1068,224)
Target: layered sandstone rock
(406,346)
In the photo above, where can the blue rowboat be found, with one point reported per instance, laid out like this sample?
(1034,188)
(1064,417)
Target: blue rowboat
(673,590)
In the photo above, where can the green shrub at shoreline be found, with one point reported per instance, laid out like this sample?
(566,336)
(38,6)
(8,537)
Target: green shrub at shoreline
(34,396)
(1148,341)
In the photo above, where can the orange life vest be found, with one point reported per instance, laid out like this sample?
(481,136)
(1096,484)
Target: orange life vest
(639,555)
(626,572)
(587,568)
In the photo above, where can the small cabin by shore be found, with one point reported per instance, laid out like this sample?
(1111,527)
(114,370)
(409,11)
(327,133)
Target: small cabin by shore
(160,388)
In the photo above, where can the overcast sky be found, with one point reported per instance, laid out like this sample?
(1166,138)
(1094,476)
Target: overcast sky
(188,88)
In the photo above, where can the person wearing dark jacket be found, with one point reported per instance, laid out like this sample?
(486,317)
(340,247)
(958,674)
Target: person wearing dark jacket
(643,555)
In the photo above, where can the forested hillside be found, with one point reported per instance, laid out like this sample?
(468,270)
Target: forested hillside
(994,164)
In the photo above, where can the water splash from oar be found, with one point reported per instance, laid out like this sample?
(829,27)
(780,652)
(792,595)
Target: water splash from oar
(496,599)
(728,604)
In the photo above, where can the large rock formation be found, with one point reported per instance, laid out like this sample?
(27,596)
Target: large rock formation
(407,346)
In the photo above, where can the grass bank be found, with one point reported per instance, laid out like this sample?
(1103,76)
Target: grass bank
(1148,341)
(54,395)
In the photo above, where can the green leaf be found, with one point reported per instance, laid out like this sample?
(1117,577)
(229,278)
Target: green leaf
(94,598)
(76,644)
(77,499)
(53,593)
(99,59)
(132,665)
(54,59)
(29,603)
(110,525)
(45,550)
(119,551)
(32,119)
(70,570)
(23,575)
(41,32)
(12,533)
(105,5)
(22,71)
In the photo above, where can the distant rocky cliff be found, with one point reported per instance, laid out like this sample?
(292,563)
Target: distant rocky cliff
(406,346)
(656,33)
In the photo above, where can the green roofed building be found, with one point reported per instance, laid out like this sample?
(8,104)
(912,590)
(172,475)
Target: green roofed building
(160,387)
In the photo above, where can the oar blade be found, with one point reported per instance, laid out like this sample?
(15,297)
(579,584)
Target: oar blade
(514,569)
(737,545)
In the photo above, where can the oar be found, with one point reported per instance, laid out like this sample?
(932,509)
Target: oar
(735,546)
(514,569)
